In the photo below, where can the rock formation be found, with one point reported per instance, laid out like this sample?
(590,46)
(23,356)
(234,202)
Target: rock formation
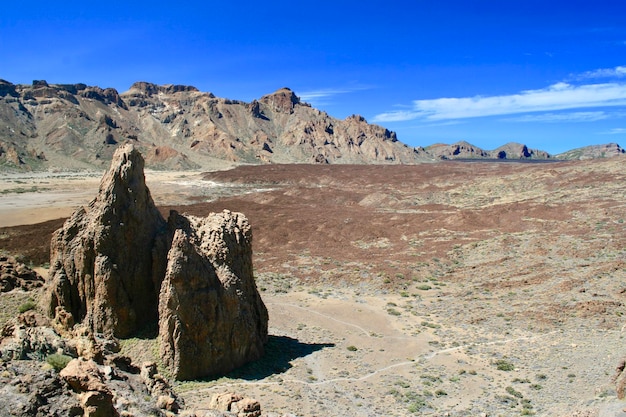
(236,404)
(85,378)
(118,267)
(14,274)
(107,261)
(209,293)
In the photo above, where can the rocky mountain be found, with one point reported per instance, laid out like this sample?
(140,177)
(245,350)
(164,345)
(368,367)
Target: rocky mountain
(48,126)
(74,126)
(592,152)
(465,150)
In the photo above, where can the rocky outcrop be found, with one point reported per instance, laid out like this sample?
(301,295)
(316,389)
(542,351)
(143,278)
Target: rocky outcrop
(459,150)
(211,317)
(619,379)
(514,151)
(86,379)
(108,260)
(14,274)
(118,267)
(283,100)
(236,404)
(85,387)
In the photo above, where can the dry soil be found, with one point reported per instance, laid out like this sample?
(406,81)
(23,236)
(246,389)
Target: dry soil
(454,288)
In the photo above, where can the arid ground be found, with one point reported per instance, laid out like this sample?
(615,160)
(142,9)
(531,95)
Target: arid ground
(455,288)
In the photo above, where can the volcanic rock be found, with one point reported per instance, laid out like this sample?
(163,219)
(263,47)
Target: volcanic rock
(117,267)
(236,404)
(14,274)
(108,260)
(211,316)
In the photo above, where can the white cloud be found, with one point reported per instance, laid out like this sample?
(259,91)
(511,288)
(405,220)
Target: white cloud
(583,116)
(323,95)
(320,94)
(615,131)
(617,72)
(560,96)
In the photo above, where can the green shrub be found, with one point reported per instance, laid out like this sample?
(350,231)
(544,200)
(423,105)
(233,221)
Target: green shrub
(28,305)
(58,361)
(393,312)
(504,365)
(514,392)
(352,348)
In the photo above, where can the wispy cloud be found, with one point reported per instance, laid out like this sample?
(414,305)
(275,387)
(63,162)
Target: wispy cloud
(617,72)
(325,95)
(615,131)
(582,116)
(557,97)
(321,94)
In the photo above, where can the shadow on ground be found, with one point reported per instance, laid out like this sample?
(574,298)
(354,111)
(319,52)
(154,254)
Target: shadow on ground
(279,352)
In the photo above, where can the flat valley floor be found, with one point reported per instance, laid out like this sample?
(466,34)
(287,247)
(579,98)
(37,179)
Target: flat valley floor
(454,288)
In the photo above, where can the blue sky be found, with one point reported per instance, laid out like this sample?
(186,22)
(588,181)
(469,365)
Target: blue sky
(550,74)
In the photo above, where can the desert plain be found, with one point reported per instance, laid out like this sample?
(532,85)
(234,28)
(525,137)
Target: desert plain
(451,288)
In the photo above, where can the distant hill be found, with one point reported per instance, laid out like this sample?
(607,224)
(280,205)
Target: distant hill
(465,150)
(592,152)
(74,126)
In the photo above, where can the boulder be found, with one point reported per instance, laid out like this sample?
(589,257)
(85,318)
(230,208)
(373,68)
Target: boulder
(236,404)
(107,260)
(619,379)
(88,381)
(211,316)
(14,274)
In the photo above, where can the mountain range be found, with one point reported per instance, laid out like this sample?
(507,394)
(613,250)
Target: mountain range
(74,126)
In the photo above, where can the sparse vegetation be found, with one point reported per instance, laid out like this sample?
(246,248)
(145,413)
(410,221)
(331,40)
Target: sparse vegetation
(514,392)
(504,365)
(27,306)
(58,361)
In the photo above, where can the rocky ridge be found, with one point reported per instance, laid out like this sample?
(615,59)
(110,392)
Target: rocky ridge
(178,127)
(465,150)
(592,152)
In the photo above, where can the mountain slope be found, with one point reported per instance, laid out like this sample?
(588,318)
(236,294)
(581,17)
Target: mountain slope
(44,126)
(592,152)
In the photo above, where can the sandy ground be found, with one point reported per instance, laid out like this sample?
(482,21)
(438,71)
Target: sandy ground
(36,197)
(444,289)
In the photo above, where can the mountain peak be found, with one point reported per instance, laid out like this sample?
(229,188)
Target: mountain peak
(283,100)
